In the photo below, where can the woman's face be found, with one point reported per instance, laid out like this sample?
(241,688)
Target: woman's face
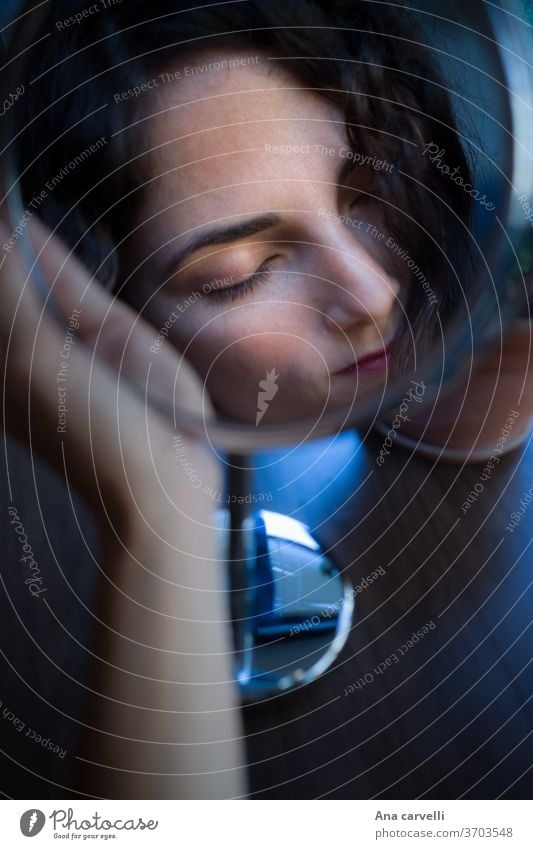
(255,248)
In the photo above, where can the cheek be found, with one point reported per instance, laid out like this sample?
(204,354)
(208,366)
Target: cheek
(235,369)
(252,337)
(234,364)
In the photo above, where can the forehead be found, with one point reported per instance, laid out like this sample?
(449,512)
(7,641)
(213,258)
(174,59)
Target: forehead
(235,125)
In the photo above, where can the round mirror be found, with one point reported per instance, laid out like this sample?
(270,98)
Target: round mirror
(317,205)
(308,220)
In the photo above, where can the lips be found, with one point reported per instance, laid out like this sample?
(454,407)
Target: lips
(370,363)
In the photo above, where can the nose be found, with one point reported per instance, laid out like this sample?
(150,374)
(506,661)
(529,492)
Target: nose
(356,289)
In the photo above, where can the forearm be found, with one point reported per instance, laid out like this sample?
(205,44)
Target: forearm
(165,677)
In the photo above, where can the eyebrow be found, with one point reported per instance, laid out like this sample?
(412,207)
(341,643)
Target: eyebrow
(235,232)
(222,236)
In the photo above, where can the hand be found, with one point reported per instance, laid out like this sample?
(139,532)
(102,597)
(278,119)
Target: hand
(492,410)
(108,435)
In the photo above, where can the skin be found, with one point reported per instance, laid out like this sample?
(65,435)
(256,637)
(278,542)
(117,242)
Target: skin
(470,419)
(215,157)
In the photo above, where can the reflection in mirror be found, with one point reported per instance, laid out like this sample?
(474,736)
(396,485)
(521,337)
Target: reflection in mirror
(294,611)
(294,226)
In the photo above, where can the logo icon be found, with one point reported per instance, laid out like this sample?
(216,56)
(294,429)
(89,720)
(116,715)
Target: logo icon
(32,822)
(269,387)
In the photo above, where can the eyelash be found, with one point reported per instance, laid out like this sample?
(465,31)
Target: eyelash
(239,290)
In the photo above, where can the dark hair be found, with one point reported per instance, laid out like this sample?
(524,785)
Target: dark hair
(365,57)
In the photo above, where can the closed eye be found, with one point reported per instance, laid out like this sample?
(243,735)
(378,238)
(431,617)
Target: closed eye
(242,286)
